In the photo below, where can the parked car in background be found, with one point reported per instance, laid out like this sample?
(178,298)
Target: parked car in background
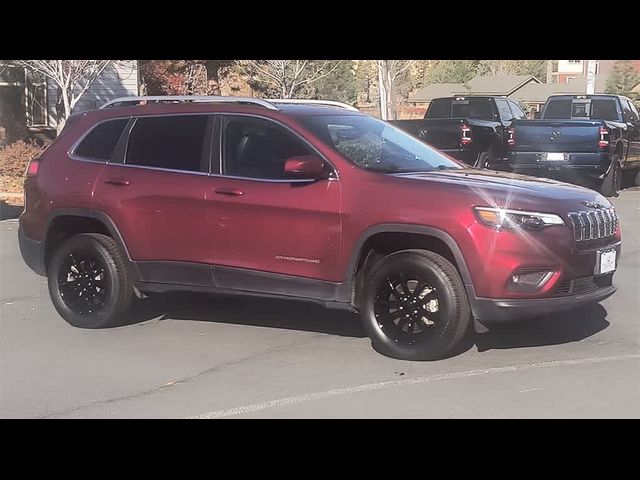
(302,200)
(471,128)
(580,138)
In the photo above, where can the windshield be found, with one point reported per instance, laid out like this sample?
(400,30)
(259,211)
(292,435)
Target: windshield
(376,145)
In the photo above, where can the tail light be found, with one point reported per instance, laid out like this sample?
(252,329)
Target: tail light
(465,134)
(511,136)
(34,166)
(603,142)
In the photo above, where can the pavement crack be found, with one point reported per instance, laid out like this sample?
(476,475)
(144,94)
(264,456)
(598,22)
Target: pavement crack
(185,380)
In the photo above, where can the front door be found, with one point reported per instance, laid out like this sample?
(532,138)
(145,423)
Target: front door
(265,221)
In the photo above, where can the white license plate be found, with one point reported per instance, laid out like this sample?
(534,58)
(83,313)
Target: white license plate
(555,156)
(607,261)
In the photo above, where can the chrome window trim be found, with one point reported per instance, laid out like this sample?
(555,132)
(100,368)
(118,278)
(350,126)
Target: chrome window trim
(128,129)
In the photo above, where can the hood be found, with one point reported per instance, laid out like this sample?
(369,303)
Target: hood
(510,190)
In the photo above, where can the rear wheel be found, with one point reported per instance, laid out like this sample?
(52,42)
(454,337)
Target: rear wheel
(414,306)
(484,160)
(612,183)
(88,281)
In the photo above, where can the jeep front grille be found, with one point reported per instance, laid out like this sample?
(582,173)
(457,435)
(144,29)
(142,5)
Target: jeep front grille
(594,224)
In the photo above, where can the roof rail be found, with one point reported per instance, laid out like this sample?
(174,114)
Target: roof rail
(187,98)
(302,101)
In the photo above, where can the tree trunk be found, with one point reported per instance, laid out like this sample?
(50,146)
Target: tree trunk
(213,78)
(383,88)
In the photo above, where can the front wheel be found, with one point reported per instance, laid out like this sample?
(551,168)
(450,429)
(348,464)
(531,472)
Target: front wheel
(88,281)
(414,306)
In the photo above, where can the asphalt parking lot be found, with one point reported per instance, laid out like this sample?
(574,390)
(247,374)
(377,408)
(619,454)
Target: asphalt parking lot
(184,356)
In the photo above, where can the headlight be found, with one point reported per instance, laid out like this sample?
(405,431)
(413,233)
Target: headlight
(503,218)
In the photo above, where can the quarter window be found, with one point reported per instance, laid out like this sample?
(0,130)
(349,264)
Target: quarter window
(171,142)
(100,143)
(517,111)
(503,108)
(258,148)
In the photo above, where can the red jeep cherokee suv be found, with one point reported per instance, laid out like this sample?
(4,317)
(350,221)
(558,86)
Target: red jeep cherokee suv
(309,201)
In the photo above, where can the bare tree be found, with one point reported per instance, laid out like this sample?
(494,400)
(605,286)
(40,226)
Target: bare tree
(71,77)
(287,76)
(388,73)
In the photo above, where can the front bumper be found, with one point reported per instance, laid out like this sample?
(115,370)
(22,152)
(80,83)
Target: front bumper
(489,310)
(32,252)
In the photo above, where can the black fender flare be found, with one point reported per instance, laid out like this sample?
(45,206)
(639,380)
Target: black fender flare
(346,291)
(107,221)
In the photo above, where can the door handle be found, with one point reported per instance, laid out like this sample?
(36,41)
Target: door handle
(229,191)
(117,181)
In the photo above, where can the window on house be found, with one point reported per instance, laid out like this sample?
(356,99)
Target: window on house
(100,143)
(170,142)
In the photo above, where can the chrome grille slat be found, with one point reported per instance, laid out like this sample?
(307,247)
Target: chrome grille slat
(593,224)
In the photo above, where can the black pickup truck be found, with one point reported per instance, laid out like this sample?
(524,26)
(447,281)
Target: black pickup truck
(470,128)
(592,139)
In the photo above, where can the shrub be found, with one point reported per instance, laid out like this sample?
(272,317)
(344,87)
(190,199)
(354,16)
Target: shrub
(14,158)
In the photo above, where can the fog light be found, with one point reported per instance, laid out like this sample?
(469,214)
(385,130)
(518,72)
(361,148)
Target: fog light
(529,280)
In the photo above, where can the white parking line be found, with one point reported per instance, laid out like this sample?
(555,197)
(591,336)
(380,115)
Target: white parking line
(255,407)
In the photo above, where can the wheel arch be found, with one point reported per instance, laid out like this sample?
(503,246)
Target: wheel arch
(364,253)
(64,222)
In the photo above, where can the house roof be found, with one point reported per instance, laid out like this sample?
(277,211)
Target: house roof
(435,90)
(499,84)
(539,92)
(503,85)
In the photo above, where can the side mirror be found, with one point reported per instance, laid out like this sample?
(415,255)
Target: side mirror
(305,167)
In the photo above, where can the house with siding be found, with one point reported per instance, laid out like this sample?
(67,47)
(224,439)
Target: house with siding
(28,102)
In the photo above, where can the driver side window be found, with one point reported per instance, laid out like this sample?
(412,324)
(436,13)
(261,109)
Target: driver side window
(257,148)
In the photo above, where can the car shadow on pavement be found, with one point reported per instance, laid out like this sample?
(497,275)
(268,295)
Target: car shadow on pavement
(250,311)
(555,329)
(8,211)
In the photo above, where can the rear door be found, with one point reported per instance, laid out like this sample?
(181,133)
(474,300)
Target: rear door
(157,193)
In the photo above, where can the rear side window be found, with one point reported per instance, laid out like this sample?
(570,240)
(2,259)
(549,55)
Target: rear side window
(557,109)
(504,110)
(440,108)
(171,142)
(100,143)
(518,113)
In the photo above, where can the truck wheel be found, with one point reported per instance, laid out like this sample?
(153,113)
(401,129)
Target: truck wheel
(612,183)
(484,160)
(632,178)
(414,306)
(88,281)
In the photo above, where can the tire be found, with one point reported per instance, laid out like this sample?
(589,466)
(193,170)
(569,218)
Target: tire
(612,183)
(632,178)
(442,325)
(484,160)
(92,261)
